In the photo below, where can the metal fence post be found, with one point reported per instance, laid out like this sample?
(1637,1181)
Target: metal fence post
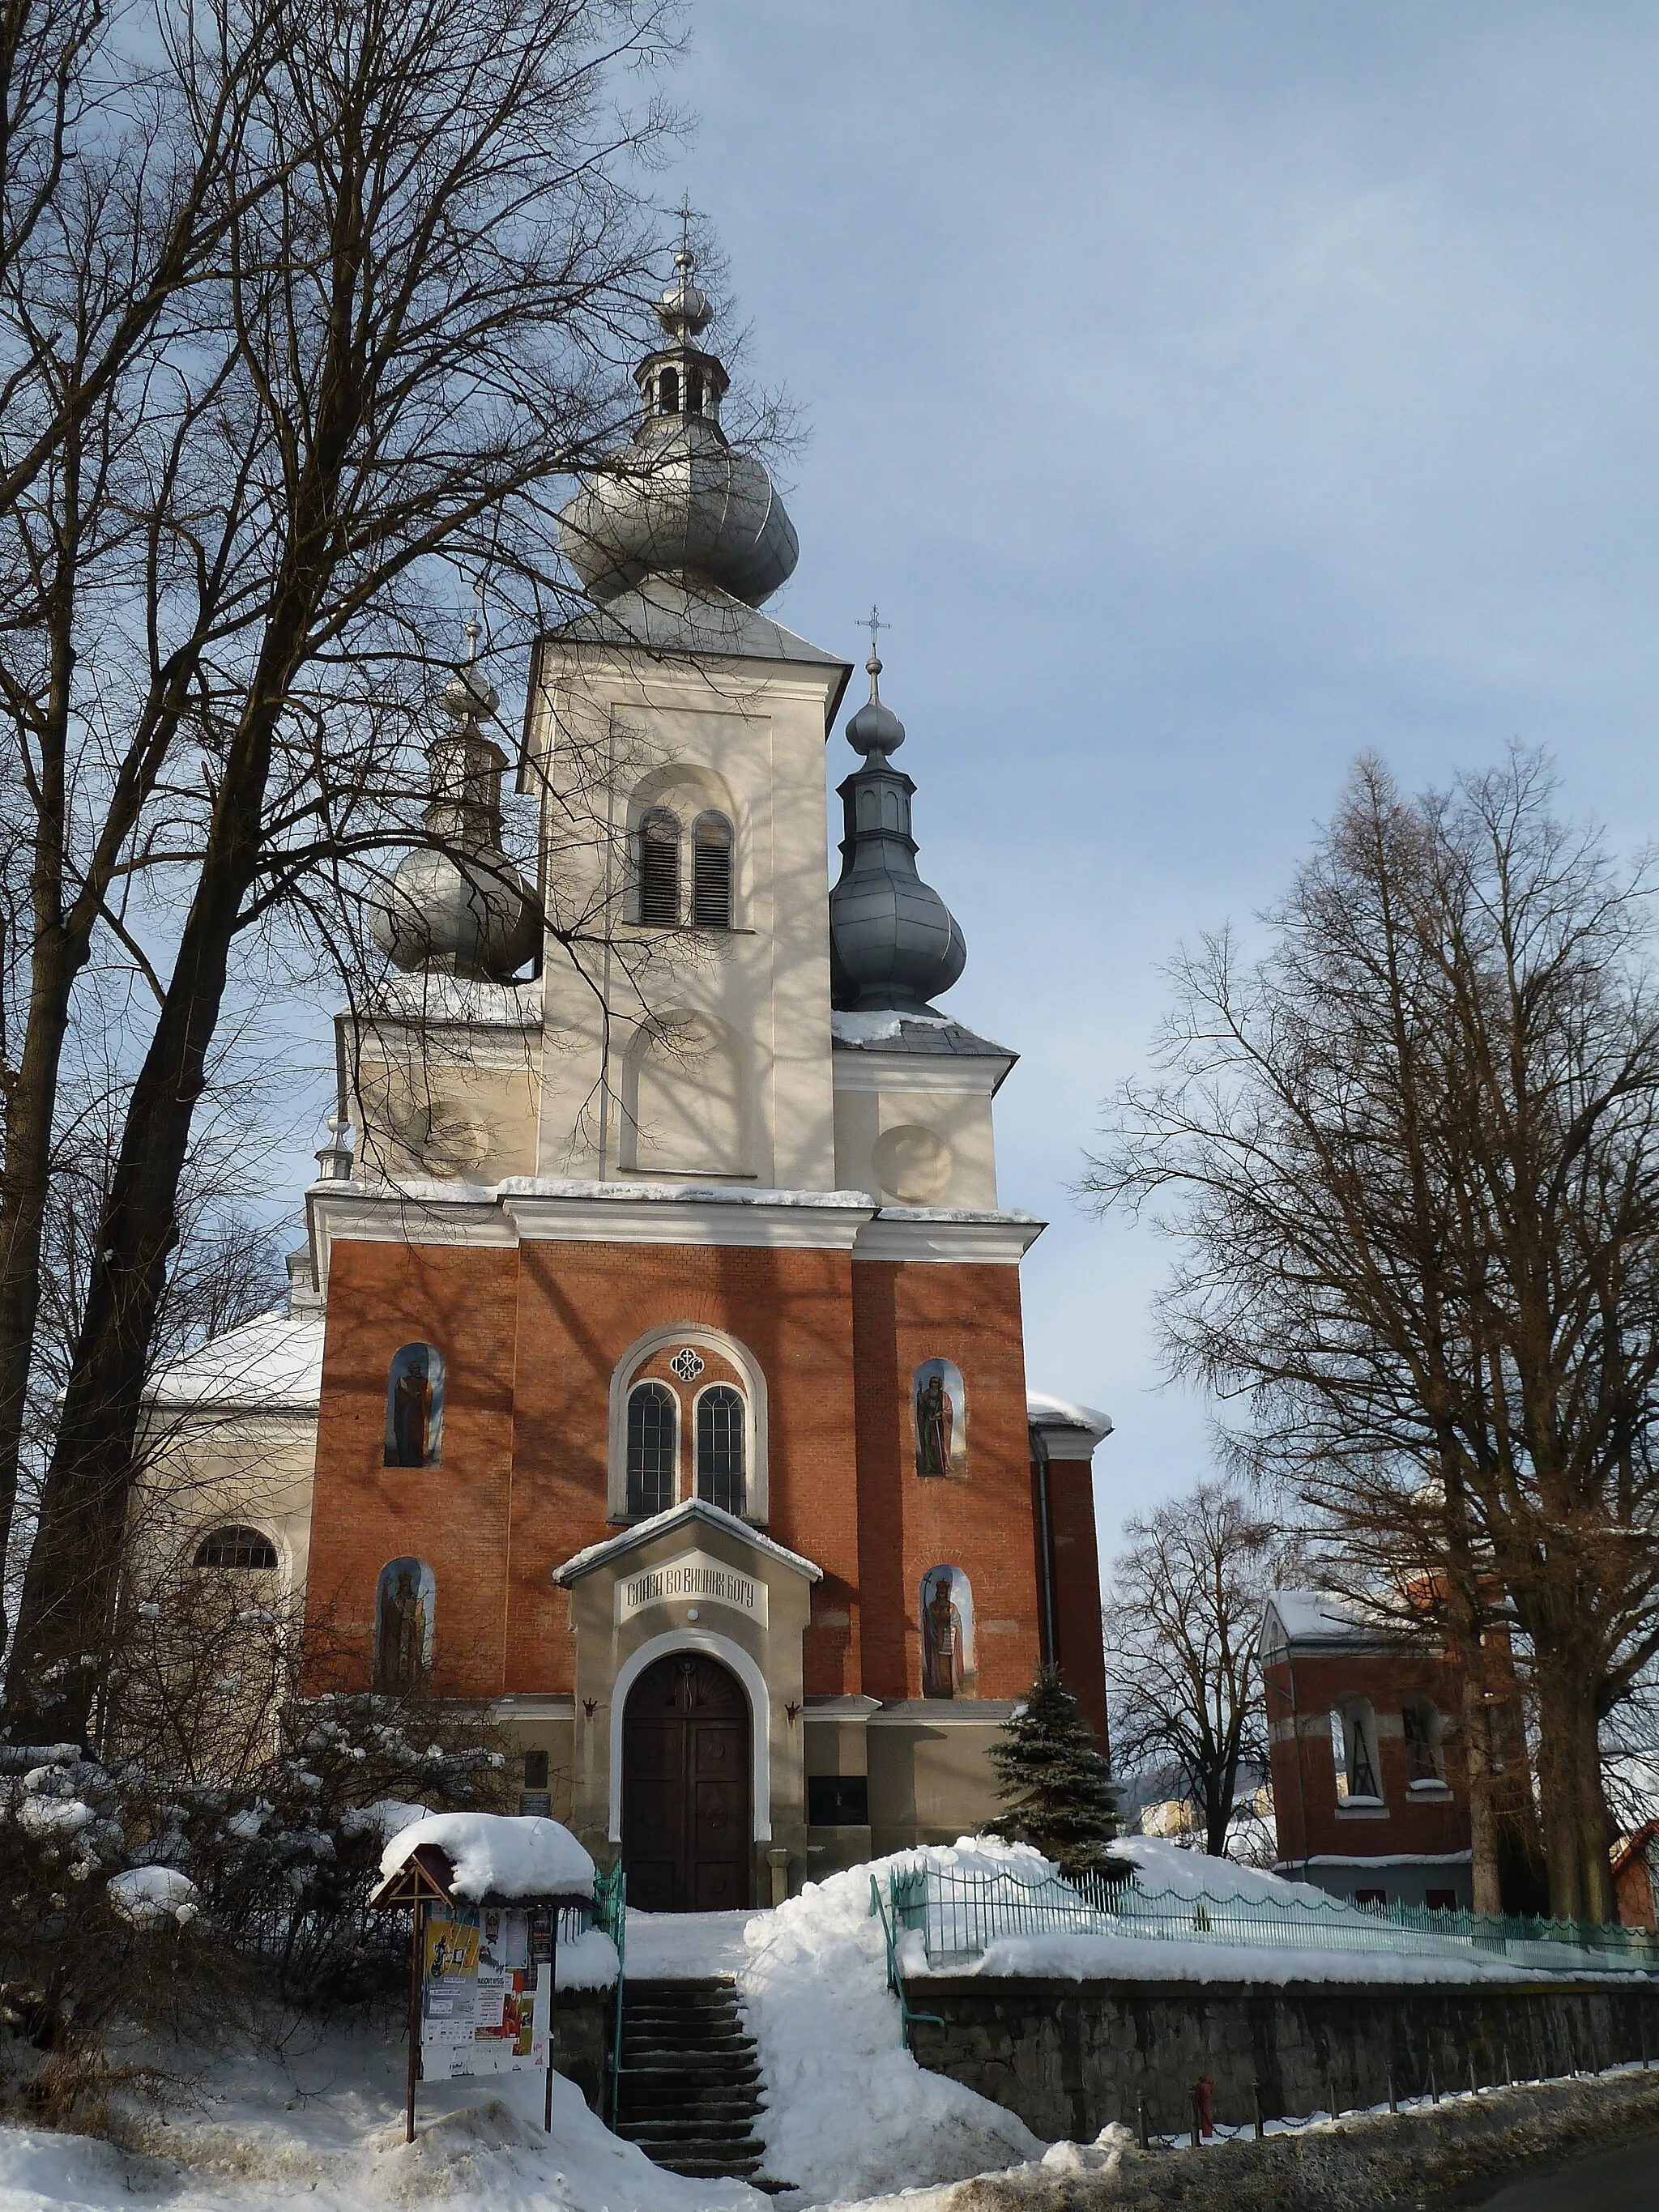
(1256,2100)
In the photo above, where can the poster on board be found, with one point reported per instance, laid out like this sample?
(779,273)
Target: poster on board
(482,2011)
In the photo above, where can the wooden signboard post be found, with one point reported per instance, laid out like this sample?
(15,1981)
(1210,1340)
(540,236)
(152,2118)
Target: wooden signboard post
(425,1880)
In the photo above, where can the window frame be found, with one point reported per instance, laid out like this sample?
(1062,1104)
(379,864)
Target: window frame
(660,813)
(651,1386)
(240,1529)
(696,1488)
(728,846)
(747,1376)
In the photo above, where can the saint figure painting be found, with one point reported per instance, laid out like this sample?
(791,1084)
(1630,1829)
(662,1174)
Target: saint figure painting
(947,1634)
(415,1408)
(403,1629)
(941,1418)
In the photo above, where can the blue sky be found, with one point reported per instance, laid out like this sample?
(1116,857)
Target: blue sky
(1207,392)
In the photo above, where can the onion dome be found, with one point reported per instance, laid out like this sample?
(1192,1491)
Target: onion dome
(894,944)
(676,501)
(458,907)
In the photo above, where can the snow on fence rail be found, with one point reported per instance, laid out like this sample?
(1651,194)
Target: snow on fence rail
(958,1915)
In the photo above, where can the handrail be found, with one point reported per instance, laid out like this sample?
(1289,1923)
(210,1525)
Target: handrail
(895,1979)
(610,1915)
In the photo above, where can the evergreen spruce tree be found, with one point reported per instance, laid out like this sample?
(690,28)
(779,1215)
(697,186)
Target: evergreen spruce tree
(1056,1784)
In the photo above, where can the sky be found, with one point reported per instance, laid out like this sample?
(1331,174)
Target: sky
(1208,393)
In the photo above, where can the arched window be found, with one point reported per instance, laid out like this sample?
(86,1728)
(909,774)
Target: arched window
(947,1634)
(668,391)
(236,1547)
(651,1425)
(659,869)
(694,391)
(719,1447)
(404,1614)
(1425,1761)
(939,1405)
(1354,1753)
(711,871)
(415,1407)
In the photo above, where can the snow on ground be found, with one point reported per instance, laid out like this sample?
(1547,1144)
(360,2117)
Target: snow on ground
(850,2114)
(682,1947)
(324,2129)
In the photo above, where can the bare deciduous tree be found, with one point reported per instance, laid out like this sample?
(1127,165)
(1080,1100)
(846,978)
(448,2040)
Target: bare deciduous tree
(1182,1617)
(1413,1153)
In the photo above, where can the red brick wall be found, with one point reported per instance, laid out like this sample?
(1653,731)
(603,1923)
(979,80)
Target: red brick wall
(1304,1790)
(1080,1650)
(531,1338)
(454,1517)
(970,1315)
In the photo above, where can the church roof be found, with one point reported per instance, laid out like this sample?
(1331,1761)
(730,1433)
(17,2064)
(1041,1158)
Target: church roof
(691,1512)
(667,615)
(1042,1411)
(273,1364)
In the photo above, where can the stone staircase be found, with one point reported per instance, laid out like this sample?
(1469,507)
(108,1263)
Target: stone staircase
(691,2080)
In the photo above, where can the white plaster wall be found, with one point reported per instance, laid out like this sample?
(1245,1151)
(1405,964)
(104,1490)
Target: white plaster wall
(960,1119)
(210,1470)
(748,737)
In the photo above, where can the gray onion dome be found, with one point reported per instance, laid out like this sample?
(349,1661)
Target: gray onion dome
(676,500)
(458,907)
(894,944)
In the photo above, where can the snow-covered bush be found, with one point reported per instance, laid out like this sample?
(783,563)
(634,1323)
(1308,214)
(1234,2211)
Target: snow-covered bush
(226,1840)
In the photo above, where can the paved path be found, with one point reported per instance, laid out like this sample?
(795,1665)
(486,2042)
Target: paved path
(1624,2180)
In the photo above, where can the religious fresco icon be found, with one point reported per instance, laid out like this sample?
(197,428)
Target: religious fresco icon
(947,1634)
(404,1616)
(939,1411)
(415,1407)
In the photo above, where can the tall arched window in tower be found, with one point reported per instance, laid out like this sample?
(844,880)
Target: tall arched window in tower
(404,1617)
(711,871)
(1426,1761)
(947,1634)
(651,1454)
(415,1407)
(719,1447)
(1353,1752)
(668,391)
(694,391)
(659,863)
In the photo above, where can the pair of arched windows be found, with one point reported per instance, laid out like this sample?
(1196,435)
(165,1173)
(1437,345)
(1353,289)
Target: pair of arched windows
(659,867)
(718,1423)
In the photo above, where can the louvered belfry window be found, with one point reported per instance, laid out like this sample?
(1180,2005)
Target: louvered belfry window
(660,870)
(711,873)
(720,1447)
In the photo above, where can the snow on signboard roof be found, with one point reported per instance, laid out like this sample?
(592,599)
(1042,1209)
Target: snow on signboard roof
(493,1855)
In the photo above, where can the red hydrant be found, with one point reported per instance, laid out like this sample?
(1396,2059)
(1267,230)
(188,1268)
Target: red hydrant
(1204,2105)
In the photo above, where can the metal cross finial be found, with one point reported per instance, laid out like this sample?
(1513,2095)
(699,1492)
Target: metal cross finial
(874,624)
(473,626)
(685,260)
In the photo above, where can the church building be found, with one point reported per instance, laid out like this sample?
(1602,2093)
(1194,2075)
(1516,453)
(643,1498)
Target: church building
(662,1322)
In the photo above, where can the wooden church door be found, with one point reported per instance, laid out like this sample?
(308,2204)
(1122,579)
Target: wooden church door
(686,1788)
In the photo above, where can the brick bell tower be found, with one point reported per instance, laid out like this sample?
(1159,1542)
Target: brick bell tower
(673,1393)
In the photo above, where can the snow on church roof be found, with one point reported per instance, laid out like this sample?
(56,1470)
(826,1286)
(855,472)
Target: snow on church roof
(273,1364)
(1042,1411)
(689,1513)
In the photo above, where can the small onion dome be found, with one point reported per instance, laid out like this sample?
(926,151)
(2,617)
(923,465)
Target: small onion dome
(470,915)
(683,310)
(894,944)
(458,907)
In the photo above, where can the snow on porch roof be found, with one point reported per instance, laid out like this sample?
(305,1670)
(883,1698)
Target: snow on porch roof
(689,1513)
(492,1856)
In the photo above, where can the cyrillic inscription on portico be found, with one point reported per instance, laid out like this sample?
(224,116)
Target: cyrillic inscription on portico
(693,1579)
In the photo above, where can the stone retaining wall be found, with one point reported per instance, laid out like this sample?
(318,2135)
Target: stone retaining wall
(1068,2056)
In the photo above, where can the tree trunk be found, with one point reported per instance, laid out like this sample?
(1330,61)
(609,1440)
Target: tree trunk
(1487,1886)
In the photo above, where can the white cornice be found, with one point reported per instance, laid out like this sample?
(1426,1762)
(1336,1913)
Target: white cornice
(966,1074)
(639,1214)
(910,1235)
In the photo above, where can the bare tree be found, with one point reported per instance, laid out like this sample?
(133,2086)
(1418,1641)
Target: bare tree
(432,249)
(1413,1154)
(1182,1617)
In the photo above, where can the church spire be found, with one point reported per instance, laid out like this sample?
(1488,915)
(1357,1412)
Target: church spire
(894,943)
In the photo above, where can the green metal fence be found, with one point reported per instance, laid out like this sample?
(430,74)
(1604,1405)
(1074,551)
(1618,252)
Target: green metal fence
(958,1915)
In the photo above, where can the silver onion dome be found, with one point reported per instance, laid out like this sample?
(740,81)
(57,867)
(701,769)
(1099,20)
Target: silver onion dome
(676,500)
(458,907)
(895,944)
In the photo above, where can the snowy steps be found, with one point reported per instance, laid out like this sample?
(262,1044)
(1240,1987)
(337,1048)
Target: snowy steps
(689,2087)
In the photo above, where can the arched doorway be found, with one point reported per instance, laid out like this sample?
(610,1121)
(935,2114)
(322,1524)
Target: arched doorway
(685,1815)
